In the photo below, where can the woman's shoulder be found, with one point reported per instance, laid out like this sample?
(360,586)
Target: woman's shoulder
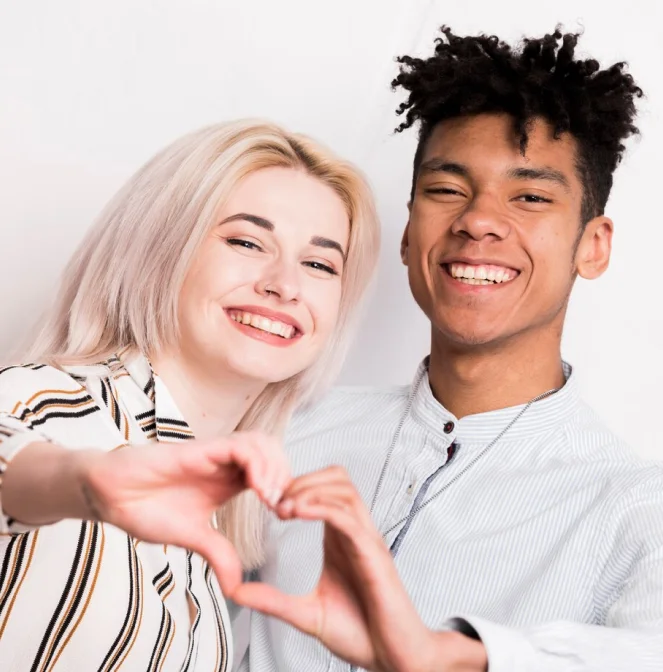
(24,383)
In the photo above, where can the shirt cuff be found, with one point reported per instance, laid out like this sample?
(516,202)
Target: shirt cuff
(10,446)
(508,650)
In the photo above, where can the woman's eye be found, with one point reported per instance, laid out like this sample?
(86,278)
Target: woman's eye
(318,266)
(240,242)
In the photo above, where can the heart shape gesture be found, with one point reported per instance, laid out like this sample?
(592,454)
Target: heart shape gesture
(359,610)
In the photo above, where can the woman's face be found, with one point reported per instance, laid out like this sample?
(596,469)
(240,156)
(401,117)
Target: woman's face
(263,293)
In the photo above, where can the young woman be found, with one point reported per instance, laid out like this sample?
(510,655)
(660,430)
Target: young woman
(214,295)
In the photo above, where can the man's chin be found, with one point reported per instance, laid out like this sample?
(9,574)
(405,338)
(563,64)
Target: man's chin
(466,337)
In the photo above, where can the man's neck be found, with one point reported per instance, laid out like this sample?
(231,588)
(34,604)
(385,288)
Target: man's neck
(212,403)
(474,380)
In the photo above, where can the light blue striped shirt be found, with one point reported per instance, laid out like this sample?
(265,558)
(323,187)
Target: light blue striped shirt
(550,545)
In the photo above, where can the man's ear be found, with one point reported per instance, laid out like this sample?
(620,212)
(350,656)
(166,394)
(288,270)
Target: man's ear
(404,244)
(593,251)
(405,238)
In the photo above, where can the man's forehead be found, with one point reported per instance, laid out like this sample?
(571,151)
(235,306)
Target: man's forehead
(469,144)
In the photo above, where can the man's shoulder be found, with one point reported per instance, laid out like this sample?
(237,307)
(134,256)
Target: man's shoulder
(625,471)
(347,405)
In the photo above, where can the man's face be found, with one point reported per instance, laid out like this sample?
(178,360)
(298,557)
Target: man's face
(494,240)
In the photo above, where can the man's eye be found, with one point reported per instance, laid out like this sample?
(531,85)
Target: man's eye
(533,198)
(443,190)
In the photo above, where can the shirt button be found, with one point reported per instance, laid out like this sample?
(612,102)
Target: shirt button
(410,488)
(449,427)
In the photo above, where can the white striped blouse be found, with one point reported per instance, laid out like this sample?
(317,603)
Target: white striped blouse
(550,544)
(85,596)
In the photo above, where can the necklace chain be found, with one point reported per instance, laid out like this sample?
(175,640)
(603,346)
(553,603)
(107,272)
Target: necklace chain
(476,458)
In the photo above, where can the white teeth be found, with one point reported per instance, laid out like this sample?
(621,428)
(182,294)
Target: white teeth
(264,324)
(480,274)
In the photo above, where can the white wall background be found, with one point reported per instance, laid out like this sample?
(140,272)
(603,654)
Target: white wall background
(89,90)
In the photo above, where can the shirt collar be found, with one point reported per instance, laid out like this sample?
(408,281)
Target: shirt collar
(541,417)
(148,397)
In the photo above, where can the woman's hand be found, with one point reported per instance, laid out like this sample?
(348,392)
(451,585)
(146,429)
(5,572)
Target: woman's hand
(159,492)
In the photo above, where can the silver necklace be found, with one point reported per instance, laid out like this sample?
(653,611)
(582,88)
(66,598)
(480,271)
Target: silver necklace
(394,440)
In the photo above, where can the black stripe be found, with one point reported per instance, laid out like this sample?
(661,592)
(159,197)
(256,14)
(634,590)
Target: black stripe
(34,367)
(169,629)
(156,644)
(79,593)
(63,597)
(128,616)
(160,575)
(174,435)
(57,400)
(23,542)
(134,620)
(145,415)
(149,386)
(194,627)
(5,562)
(221,631)
(104,393)
(171,421)
(116,408)
(166,584)
(63,414)
(149,428)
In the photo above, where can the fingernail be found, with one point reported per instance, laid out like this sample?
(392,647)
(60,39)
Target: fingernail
(273,497)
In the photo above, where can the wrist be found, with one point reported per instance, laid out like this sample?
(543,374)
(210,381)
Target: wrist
(453,651)
(81,502)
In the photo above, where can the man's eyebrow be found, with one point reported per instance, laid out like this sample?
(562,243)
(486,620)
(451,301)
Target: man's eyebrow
(328,243)
(437,165)
(544,173)
(254,219)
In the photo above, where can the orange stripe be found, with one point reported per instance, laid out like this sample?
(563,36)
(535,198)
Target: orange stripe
(127,634)
(172,637)
(89,597)
(34,396)
(5,620)
(65,613)
(168,592)
(140,619)
(10,574)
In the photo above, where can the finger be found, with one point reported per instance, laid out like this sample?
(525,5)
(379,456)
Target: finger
(220,554)
(341,495)
(301,612)
(239,450)
(319,478)
(277,473)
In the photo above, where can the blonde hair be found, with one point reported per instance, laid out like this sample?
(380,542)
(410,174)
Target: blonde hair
(121,288)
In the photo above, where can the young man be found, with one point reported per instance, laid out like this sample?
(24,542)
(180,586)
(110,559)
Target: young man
(524,536)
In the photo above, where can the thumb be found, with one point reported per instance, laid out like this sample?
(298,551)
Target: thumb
(221,556)
(302,612)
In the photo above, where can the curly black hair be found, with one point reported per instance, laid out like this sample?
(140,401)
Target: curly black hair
(540,79)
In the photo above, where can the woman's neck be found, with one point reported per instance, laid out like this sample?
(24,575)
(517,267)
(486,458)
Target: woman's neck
(211,401)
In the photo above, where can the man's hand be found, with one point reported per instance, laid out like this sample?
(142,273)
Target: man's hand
(359,610)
